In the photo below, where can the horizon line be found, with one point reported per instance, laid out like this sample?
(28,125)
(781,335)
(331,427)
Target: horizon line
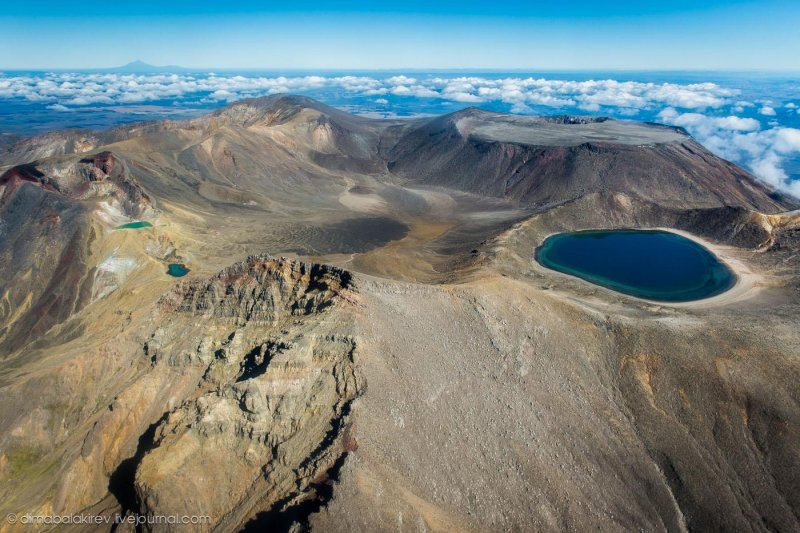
(178,68)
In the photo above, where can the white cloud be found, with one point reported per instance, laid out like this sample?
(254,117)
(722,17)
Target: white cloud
(741,140)
(400,80)
(222,94)
(462,96)
(419,91)
(705,124)
(767,111)
(735,123)
(787,140)
(382,101)
(58,107)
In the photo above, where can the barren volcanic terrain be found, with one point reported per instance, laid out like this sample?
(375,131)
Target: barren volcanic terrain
(364,341)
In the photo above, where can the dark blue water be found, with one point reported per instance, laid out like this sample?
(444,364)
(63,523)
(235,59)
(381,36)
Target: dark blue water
(177,269)
(656,265)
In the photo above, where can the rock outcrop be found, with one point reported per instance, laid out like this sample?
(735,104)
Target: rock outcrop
(100,176)
(261,290)
(270,345)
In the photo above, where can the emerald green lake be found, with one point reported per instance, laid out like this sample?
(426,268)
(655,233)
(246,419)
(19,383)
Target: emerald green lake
(177,269)
(650,264)
(135,225)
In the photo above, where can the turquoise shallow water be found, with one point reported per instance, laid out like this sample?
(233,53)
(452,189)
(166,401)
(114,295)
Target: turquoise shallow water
(177,270)
(135,225)
(650,264)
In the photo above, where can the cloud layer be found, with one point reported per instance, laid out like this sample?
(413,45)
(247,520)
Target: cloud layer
(76,89)
(763,152)
(708,111)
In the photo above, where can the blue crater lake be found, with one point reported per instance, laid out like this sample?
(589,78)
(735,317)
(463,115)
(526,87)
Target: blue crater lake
(650,264)
(177,270)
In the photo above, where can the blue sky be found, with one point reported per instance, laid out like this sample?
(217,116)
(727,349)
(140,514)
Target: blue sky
(567,34)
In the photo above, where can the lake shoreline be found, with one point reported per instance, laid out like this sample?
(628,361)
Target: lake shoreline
(747,284)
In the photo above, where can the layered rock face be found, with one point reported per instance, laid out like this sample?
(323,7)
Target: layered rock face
(257,361)
(261,290)
(278,378)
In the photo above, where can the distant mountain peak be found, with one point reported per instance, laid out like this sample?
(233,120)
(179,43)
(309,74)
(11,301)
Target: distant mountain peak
(140,66)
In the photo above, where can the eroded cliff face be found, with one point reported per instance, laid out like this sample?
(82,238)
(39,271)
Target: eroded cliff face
(257,361)
(277,381)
